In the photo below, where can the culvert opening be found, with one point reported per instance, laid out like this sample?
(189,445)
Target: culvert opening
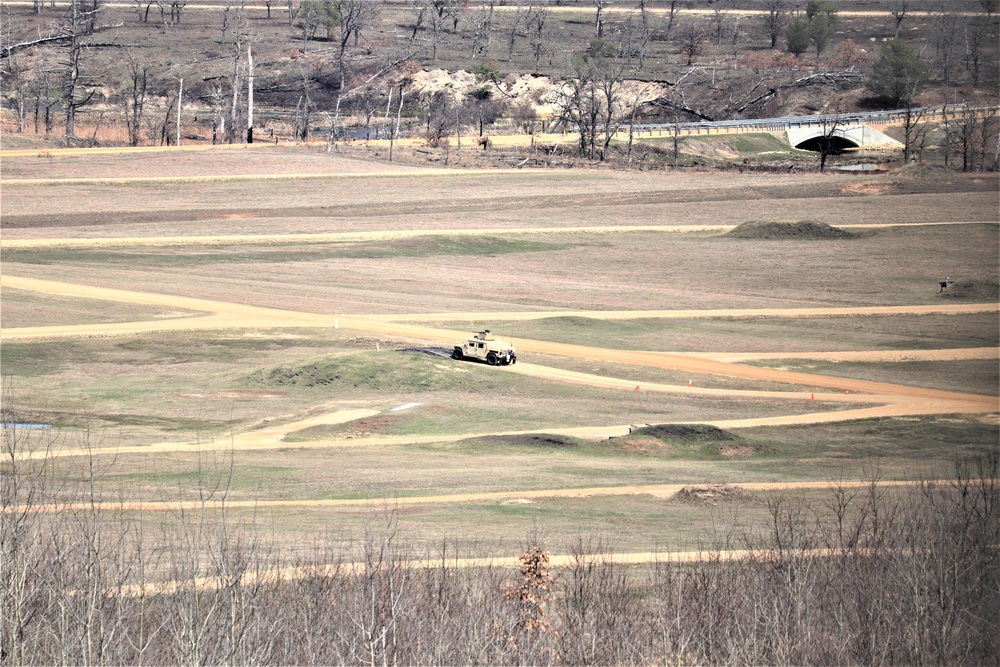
(830,145)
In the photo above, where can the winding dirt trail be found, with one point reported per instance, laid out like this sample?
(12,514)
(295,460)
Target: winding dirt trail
(882,398)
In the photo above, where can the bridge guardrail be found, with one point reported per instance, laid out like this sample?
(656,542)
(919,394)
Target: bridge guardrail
(780,124)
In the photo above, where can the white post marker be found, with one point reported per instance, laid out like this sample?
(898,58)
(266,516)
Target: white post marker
(180,96)
(336,323)
(250,96)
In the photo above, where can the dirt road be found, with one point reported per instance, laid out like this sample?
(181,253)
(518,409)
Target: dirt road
(556,561)
(882,399)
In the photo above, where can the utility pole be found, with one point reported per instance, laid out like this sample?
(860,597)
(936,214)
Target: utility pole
(249,97)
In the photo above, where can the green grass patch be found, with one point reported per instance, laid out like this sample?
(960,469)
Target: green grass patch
(771,334)
(424,246)
(209,346)
(455,416)
(618,334)
(37,359)
(376,372)
(978,376)
(899,444)
(756,143)
(751,144)
(430,246)
(243,476)
(26,308)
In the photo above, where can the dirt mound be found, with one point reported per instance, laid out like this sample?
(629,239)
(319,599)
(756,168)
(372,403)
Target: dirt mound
(540,440)
(977,288)
(643,446)
(686,440)
(804,229)
(686,432)
(712,493)
(921,171)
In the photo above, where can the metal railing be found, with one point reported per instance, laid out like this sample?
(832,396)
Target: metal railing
(781,124)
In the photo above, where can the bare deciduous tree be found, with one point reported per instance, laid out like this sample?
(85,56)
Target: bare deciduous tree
(898,9)
(354,17)
(691,40)
(75,89)
(946,33)
(133,97)
(516,26)
(775,16)
(481,22)
(535,21)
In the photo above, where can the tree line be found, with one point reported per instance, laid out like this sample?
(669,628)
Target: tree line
(356,59)
(863,576)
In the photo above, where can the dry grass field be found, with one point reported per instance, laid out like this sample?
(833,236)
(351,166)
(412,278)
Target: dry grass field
(291,390)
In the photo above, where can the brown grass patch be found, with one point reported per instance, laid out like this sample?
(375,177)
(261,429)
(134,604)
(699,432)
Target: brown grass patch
(371,426)
(644,446)
(868,188)
(737,451)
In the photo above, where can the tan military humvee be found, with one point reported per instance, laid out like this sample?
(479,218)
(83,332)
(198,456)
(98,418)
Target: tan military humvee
(483,346)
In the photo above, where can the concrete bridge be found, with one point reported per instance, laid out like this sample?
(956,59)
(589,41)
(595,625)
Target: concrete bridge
(854,130)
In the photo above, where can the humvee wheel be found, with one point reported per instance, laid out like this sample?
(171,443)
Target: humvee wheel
(491,359)
(456,354)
